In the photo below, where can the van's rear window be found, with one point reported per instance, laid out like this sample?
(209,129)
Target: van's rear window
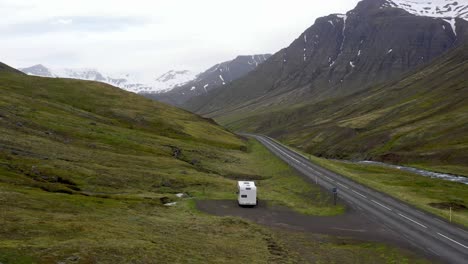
(243,196)
(249,188)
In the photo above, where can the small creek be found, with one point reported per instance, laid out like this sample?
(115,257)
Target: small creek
(431,174)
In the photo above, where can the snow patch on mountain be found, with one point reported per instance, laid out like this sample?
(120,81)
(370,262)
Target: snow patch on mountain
(432,8)
(172,79)
(453,25)
(124,81)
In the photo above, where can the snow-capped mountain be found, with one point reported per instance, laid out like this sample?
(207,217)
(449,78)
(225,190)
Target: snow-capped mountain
(38,70)
(341,54)
(432,8)
(216,77)
(127,82)
(172,79)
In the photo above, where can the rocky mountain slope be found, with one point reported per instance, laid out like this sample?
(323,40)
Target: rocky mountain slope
(219,75)
(341,54)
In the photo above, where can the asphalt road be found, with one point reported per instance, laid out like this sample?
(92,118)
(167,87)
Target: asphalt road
(442,240)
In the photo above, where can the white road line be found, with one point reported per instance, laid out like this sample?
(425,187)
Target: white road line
(433,252)
(462,230)
(454,241)
(330,179)
(388,227)
(412,220)
(286,154)
(381,205)
(360,194)
(351,230)
(343,185)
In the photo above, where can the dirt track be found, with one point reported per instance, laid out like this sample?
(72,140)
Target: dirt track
(353,224)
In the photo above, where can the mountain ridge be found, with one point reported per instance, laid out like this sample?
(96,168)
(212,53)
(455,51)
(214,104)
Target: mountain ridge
(213,78)
(339,55)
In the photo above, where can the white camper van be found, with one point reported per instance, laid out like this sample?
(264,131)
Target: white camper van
(246,193)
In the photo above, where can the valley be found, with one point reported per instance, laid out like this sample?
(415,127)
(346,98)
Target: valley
(82,181)
(354,131)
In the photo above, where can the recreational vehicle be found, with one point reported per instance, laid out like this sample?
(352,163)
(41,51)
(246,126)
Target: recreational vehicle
(246,193)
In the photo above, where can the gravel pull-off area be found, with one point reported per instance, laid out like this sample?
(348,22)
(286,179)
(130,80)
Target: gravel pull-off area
(353,224)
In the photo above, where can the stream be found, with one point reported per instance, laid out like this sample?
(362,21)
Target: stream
(431,174)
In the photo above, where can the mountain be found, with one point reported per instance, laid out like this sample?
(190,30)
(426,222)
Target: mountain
(215,77)
(171,79)
(127,82)
(38,70)
(369,87)
(419,120)
(339,55)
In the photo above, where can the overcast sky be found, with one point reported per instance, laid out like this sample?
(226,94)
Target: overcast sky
(151,37)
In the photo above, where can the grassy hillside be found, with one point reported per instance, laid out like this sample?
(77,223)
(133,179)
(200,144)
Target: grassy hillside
(420,120)
(85,169)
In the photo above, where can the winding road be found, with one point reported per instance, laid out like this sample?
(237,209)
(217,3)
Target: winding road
(431,234)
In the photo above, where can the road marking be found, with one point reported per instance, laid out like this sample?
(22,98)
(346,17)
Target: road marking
(330,179)
(433,252)
(351,230)
(381,205)
(283,152)
(343,186)
(389,228)
(402,204)
(452,240)
(462,230)
(410,240)
(412,220)
(359,194)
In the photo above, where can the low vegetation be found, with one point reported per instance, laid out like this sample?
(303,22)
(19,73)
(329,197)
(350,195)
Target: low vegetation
(87,171)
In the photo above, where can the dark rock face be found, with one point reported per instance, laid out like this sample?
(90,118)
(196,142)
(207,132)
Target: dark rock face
(215,77)
(340,55)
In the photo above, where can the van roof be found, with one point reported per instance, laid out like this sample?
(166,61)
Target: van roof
(245,184)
